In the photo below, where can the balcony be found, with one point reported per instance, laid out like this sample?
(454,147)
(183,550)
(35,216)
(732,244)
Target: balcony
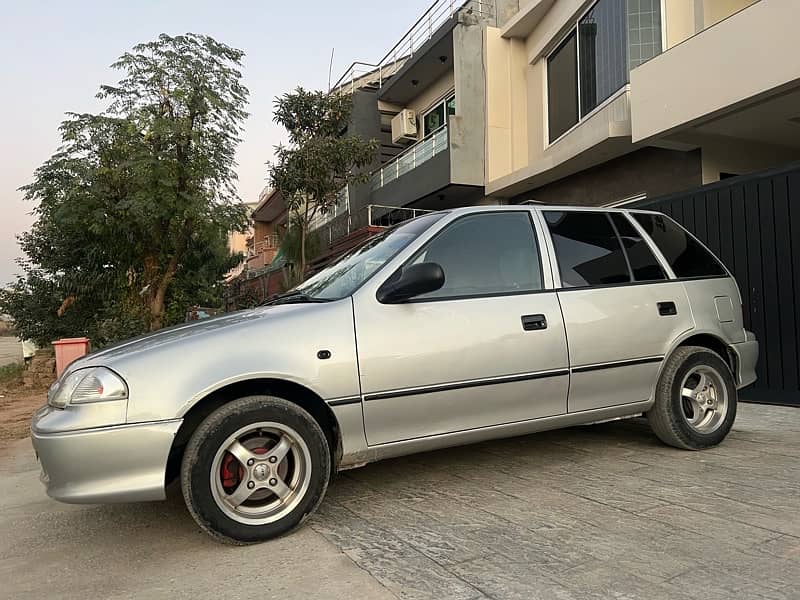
(416,41)
(261,252)
(369,217)
(731,79)
(413,156)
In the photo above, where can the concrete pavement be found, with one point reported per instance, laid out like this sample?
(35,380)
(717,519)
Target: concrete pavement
(604,511)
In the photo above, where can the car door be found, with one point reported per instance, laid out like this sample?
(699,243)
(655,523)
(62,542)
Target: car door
(487,348)
(621,311)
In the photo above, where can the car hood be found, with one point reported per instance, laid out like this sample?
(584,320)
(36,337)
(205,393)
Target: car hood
(186,331)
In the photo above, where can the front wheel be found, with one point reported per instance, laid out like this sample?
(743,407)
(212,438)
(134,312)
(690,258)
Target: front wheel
(695,400)
(255,469)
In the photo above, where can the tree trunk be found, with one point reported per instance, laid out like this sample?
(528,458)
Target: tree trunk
(303,232)
(158,292)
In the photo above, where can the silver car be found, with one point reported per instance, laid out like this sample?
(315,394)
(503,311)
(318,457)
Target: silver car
(455,327)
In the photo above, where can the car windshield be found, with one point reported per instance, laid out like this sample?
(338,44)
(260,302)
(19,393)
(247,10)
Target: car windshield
(347,274)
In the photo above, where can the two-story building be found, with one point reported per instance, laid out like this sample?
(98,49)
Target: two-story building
(598,102)
(687,106)
(585,102)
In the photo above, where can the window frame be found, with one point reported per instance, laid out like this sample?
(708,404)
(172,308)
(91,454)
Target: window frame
(441,102)
(668,274)
(665,263)
(559,282)
(545,269)
(555,45)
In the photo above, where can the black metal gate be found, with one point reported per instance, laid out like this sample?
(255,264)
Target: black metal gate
(752,222)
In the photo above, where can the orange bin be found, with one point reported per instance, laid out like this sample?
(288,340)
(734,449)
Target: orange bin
(69,350)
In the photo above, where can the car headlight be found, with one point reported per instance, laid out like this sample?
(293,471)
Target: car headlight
(93,384)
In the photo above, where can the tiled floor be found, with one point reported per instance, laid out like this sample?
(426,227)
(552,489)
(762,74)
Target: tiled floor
(604,511)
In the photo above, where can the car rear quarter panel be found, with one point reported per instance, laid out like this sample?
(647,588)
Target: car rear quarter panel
(716,307)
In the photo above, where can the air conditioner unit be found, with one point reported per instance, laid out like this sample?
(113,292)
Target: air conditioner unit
(404,125)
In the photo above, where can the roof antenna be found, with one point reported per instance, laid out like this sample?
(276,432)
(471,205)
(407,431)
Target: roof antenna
(330,68)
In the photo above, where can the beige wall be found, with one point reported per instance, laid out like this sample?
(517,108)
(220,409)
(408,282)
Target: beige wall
(715,70)
(435,91)
(716,10)
(506,105)
(683,18)
(739,157)
(678,20)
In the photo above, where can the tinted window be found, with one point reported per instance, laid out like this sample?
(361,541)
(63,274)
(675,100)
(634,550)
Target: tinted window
(485,254)
(347,274)
(603,54)
(562,88)
(588,250)
(643,262)
(686,255)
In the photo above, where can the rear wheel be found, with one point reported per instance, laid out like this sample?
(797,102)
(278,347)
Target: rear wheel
(695,401)
(255,469)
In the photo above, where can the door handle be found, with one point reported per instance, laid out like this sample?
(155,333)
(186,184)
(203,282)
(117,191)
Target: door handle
(534,322)
(667,309)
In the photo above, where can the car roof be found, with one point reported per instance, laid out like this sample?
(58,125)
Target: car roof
(540,206)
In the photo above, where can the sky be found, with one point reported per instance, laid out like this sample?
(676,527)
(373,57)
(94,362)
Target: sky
(55,54)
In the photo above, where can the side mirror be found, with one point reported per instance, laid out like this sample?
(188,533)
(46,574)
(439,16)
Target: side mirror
(413,280)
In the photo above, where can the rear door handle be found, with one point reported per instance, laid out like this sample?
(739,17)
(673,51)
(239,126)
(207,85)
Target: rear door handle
(667,309)
(534,322)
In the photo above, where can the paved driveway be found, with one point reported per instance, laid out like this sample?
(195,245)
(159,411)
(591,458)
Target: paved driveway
(593,512)
(10,350)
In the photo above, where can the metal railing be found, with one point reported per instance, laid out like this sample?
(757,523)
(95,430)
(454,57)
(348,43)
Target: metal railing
(408,160)
(268,242)
(360,73)
(341,207)
(372,215)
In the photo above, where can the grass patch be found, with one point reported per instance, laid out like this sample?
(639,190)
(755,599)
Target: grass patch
(11,372)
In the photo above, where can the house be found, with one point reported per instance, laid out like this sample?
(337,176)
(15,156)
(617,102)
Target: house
(606,101)
(686,106)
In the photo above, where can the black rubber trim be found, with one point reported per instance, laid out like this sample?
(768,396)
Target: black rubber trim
(344,401)
(617,364)
(444,387)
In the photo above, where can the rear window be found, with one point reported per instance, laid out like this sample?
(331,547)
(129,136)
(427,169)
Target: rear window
(644,265)
(588,250)
(686,256)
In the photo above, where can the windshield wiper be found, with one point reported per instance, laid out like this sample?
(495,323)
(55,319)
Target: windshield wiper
(294,298)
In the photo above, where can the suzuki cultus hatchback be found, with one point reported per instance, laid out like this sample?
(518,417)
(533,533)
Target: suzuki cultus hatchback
(452,328)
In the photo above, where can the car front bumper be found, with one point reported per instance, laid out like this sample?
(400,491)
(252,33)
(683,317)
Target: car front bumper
(746,359)
(120,463)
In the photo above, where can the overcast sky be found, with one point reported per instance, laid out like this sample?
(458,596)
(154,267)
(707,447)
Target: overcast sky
(56,54)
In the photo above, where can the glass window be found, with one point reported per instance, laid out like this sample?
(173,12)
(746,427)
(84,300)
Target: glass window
(612,38)
(485,254)
(437,116)
(603,55)
(562,88)
(686,256)
(588,250)
(644,31)
(643,262)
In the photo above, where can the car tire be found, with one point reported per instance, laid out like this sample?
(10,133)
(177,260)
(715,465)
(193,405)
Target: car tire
(255,469)
(695,400)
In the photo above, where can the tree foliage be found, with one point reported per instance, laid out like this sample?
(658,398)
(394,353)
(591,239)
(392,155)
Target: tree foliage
(134,209)
(320,158)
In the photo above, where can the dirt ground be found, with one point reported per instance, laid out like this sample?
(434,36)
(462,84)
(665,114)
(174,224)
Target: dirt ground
(17,405)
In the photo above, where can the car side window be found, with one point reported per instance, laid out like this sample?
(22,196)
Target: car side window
(686,256)
(644,264)
(587,248)
(485,254)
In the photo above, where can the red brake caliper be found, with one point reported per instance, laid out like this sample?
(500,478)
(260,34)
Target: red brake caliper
(232,471)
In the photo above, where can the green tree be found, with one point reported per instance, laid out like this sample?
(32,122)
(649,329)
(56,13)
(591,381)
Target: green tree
(320,158)
(134,208)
